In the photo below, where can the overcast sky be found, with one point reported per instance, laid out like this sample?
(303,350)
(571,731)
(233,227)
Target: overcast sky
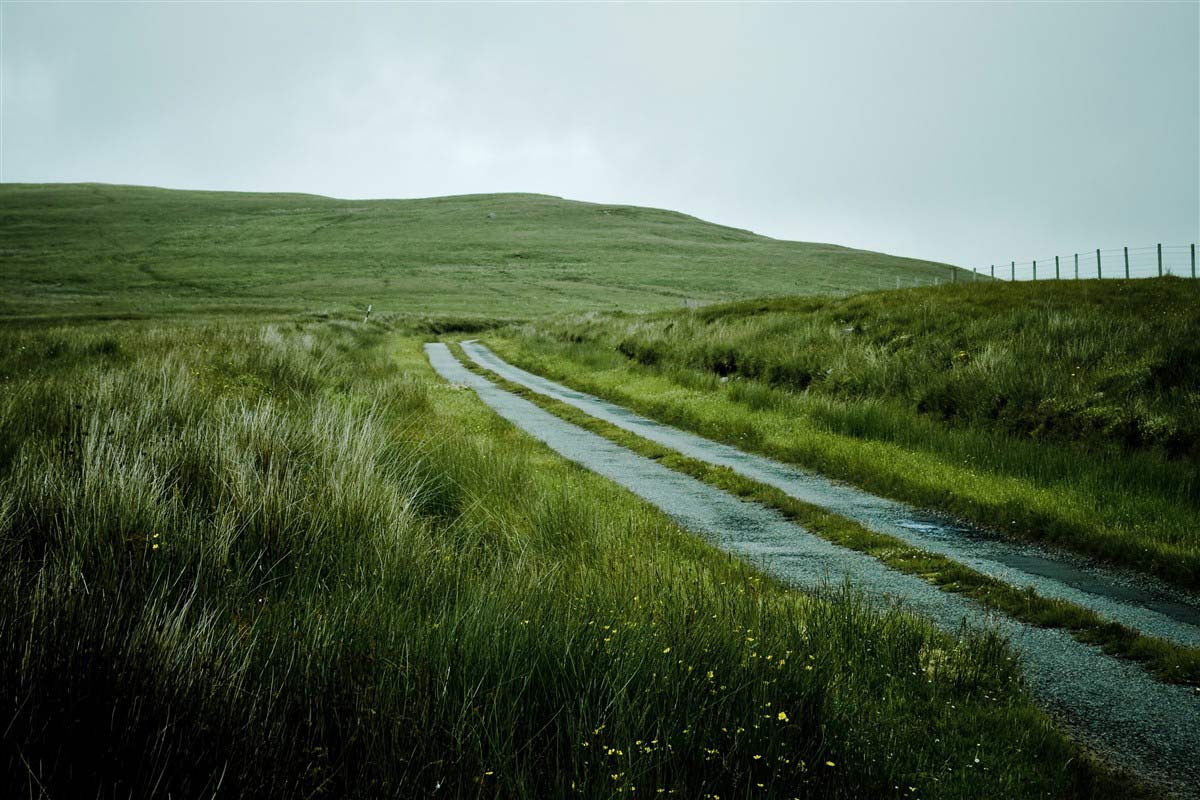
(966,133)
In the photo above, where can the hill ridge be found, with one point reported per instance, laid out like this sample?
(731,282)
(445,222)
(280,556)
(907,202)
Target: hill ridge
(149,249)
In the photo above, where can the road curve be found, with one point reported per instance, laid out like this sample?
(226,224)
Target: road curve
(1114,707)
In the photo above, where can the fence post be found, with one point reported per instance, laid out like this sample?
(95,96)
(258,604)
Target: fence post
(1056,268)
(1012,275)
(1077,266)
(1160,260)
(1193,263)
(1126,263)
(1099,272)
(1035,269)
(1193,260)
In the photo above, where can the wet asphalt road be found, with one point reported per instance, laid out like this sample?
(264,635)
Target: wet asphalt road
(1114,707)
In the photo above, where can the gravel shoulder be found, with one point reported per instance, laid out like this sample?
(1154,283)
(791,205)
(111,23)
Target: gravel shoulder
(1113,707)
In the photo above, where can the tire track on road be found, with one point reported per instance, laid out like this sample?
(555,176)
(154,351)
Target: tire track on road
(1140,603)
(1114,707)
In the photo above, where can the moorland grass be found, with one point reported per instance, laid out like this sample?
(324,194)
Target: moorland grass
(95,249)
(283,560)
(1062,412)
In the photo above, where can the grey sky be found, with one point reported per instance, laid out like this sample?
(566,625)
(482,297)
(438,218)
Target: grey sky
(968,133)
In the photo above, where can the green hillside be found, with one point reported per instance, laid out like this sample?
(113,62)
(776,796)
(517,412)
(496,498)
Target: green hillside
(93,249)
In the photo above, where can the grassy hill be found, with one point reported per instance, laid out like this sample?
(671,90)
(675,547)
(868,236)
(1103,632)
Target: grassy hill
(278,557)
(92,249)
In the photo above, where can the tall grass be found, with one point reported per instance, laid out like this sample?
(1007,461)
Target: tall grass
(1068,412)
(282,561)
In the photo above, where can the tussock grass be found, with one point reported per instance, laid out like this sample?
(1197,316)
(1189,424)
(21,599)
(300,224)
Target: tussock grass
(282,561)
(1064,412)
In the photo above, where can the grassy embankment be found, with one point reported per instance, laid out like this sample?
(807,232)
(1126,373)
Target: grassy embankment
(1065,413)
(284,561)
(101,250)
(1166,660)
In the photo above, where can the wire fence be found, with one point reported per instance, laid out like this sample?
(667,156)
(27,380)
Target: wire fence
(1151,261)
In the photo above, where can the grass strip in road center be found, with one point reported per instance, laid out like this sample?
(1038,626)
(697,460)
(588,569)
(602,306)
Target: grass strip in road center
(1167,661)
